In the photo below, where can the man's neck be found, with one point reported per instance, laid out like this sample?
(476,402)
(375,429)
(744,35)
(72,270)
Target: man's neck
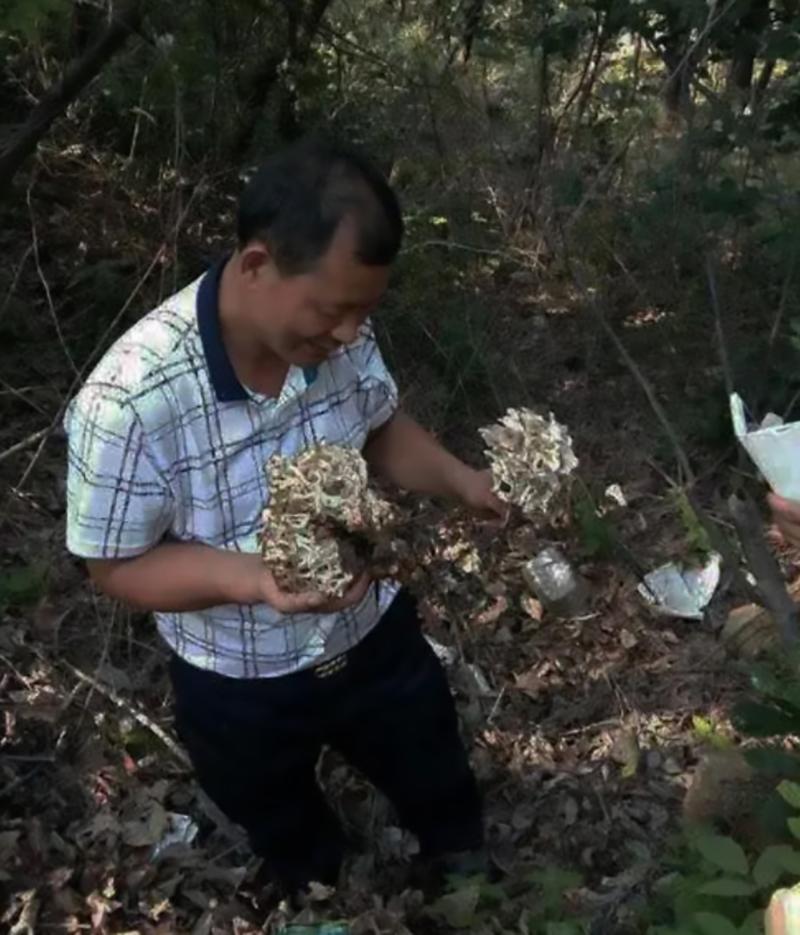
(256,366)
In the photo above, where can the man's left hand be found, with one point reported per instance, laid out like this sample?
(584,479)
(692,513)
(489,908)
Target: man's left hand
(474,489)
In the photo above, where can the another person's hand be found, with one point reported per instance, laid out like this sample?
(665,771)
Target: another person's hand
(786,514)
(309,602)
(474,489)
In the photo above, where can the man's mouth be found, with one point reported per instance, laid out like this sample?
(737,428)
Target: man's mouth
(323,349)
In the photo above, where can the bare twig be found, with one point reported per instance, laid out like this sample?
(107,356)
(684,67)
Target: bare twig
(57,98)
(791,404)
(722,344)
(18,780)
(86,364)
(100,344)
(647,387)
(788,281)
(15,280)
(45,284)
(718,538)
(28,758)
(19,393)
(139,716)
(603,175)
(785,289)
(765,568)
(25,443)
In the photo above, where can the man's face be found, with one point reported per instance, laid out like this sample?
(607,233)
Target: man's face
(304,318)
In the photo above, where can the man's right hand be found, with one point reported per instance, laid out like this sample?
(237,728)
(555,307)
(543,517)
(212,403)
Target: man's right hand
(786,514)
(310,601)
(187,576)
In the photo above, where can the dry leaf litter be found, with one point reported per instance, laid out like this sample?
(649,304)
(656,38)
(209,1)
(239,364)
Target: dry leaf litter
(580,731)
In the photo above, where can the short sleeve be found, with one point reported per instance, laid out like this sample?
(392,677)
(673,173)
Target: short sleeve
(377,390)
(118,503)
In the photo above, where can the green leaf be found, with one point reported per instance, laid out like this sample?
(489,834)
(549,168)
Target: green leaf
(697,540)
(753,924)
(555,879)
(727,886)
(794,826)
(790,792)
(21,585)
(712,923)
(776,860)
(764,720)
(597,534)
(563,928)
(702,726)
(774,762)
(723,852)
(458,909)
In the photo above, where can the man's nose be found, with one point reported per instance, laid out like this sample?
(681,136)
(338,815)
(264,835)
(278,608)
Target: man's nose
(347,330)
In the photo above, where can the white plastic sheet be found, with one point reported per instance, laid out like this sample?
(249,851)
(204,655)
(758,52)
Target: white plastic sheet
(774,447)
(678,591)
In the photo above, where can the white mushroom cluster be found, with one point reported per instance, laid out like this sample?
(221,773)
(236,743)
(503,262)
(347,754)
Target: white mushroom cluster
(320,520)
(530,456)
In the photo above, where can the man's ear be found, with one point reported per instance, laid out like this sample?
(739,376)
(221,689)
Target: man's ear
(254,260)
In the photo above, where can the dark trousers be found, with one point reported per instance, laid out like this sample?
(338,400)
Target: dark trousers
(255,743)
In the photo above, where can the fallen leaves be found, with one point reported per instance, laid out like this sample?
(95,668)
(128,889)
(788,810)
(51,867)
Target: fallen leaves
(578,731)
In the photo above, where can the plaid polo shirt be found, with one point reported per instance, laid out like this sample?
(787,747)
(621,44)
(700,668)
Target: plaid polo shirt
(165,443)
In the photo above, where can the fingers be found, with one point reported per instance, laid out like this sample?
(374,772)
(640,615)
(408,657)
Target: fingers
(311,602)
(494,511)
(287,603)
(357,589)
(787,517)
(355,593)
(786,509)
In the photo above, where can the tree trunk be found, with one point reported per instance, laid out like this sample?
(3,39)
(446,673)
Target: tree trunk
(302,25)
(472,23)
(56,99)
(677,95)
(749,30)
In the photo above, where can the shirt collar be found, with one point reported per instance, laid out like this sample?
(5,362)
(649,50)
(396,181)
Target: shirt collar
(227,386)
(223,377)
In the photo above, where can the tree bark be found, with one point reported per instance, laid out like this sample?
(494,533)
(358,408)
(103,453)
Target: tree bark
(765,568)
(23,142)
(749,31)
(302,25)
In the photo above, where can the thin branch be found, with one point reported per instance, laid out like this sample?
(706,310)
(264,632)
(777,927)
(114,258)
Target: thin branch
(20,395)
(139,716)
(25,443)
(100,344)
(602,176)
(647,387)
(57,98)
(765,568)
(84,368)
(787,282)
(45,284)
(720,331)
(17,273)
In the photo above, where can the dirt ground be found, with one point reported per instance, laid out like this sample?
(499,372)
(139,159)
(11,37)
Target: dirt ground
(583,732)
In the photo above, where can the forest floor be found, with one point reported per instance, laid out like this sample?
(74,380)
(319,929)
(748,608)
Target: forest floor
(584,733)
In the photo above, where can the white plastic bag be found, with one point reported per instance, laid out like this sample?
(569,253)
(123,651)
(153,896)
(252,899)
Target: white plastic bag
(774,448)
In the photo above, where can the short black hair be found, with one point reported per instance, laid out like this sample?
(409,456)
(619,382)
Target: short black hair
(300,196)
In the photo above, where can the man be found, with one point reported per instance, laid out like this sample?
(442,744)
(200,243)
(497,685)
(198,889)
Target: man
(270,352)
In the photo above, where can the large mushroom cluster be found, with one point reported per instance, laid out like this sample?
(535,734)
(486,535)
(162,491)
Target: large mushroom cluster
(324,524)
(530,457)
(321,519)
